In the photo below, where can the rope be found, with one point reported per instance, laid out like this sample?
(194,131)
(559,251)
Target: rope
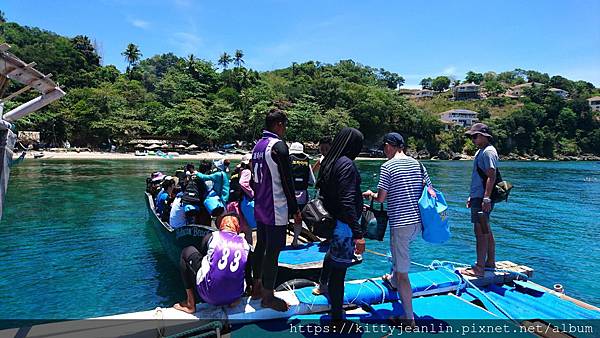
(450,266)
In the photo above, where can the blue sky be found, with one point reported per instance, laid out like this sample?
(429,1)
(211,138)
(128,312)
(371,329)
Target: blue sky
(416,39)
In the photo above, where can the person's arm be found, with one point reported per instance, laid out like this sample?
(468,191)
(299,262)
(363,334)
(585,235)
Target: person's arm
(212,177)
(224,187)
(490,162)
(382,187)
(203,249)
(245,179)
(428,183)
(347,177)
(281,156)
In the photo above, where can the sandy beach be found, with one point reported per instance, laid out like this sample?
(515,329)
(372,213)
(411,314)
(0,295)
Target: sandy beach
(97,155)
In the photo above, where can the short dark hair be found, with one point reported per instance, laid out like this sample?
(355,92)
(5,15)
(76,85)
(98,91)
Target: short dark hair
(325,140)
(275,116)
(167,183)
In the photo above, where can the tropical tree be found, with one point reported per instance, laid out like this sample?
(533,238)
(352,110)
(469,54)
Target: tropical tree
(440,83)
(476,78)
(2,17)
(225,59)
(238,57)
(132,55)
(426,83)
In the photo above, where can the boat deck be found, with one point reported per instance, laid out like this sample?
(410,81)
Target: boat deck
(440,296)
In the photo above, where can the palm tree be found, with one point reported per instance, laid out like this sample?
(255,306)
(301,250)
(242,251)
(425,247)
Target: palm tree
(237,58)
(225,60)
(132,55)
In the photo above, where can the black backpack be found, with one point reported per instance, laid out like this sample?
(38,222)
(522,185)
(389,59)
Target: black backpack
(194,192)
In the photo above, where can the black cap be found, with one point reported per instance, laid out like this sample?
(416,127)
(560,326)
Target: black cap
(479,128)
(394,139)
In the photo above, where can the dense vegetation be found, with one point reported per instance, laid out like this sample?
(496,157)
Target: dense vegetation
(189,98)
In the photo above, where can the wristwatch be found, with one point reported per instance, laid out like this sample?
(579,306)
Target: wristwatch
(487,200)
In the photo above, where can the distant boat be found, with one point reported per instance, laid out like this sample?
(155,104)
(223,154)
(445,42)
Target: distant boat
(38,155)
(141,153)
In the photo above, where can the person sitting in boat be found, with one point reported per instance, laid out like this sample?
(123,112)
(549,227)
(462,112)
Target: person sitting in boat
(241,195)
(165,197)
(192,200)
(177,217)
(153,184)
(220,186)
(216,271)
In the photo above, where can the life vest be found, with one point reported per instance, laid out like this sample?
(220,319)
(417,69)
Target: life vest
(300,171)
(194,192)
(223,283)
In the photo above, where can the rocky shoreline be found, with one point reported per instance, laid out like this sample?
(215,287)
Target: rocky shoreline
(445,155)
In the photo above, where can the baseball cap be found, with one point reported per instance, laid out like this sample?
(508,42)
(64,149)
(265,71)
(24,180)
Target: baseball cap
(394,139)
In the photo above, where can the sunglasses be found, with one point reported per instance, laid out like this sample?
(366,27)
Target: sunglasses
(474,137)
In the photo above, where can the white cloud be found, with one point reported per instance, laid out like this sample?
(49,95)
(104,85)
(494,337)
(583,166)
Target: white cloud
(188,43)
(140,23)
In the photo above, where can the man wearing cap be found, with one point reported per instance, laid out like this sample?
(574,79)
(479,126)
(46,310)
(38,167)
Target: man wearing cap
(303,177)
(401,182)
(274,204)
(483,178)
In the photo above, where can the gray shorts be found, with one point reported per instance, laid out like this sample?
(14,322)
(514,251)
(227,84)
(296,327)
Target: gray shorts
(476,208)
(400,238)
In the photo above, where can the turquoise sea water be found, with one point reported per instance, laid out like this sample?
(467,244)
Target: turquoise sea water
(76,242)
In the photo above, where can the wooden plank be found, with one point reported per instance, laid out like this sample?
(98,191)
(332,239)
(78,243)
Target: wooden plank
(18,92)
(500,277)
(4,47)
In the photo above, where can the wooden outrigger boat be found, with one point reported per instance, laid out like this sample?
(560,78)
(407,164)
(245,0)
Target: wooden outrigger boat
(301,263)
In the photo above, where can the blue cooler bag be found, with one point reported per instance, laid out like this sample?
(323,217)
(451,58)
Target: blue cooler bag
(434,217)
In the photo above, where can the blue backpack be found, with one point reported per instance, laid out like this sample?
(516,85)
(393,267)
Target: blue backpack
(434,217)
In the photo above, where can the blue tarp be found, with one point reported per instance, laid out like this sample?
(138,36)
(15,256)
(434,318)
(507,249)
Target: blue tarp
(375,292)
(304,254)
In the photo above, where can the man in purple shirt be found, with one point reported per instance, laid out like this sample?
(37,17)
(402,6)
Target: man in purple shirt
(274,204)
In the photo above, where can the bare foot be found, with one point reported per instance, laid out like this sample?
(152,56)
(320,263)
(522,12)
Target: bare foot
(475,271)
(491,265)
(320,290)
(185,307)
(276,304)
(387,279)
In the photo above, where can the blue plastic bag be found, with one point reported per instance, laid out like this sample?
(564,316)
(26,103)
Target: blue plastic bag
(247,208)
(213,203)
(436,228)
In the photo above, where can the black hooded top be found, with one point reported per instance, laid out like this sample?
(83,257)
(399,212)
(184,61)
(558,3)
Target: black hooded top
(339,180)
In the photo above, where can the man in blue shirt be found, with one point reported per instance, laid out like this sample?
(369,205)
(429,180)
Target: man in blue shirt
(483,179)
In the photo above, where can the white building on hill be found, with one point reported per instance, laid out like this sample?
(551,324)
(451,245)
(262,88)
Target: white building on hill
(461,117)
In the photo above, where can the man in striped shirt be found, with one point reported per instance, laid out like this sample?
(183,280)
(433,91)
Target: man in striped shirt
(401,182)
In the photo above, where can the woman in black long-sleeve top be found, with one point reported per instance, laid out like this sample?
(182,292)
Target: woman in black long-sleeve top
(339,184)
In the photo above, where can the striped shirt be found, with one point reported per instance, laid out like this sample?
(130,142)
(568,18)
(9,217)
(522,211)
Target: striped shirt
(401,178)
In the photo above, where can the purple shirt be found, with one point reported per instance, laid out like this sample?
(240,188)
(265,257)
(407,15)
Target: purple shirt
(220,280)
(271,200)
